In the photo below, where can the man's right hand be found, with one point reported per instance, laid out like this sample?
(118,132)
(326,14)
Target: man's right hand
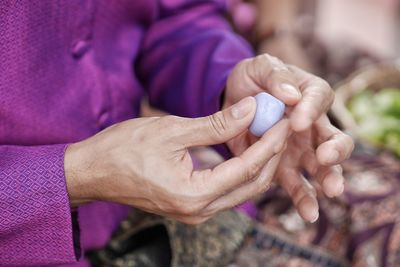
(145,163)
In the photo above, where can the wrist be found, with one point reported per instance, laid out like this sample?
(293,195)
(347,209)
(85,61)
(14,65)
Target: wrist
(78,179)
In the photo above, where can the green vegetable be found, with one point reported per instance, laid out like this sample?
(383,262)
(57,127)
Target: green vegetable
(378,116)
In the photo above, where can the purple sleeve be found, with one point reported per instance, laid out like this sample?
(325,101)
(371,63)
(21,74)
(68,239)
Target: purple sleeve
(187,55)
(35,216)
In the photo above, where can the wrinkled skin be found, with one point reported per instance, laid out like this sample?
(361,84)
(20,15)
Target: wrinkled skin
(145,162)
(315,145)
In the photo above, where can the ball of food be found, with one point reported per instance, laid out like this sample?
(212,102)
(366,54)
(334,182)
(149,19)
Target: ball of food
(269,111)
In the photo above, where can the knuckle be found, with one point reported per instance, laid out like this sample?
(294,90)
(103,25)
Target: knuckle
(263,186)
(266,66)
(252,172)
(218,124)
(243,66)
(324,85)
(274,72)
(186,210)
(261,58)
(319,93)
(169,120)
(189,208)
(281,70)
(279,146)
(173,124)
(296,191)
(276,63)
(269,58)
(327,91)
(245,62)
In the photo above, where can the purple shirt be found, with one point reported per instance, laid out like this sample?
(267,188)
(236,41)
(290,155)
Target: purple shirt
(69,69)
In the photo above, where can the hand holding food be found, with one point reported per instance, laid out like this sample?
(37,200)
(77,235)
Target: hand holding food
(268,112)
(145,163)
(315,145)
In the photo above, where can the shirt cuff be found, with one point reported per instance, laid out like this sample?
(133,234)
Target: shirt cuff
(36,225)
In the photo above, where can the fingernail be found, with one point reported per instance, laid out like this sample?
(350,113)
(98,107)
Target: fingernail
(242,108)
(313,214)
(290,89)
(333,156)
(341,189)
(315,217)
(309,208)
(339,169)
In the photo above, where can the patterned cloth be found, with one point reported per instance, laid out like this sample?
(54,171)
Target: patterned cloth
(360,229)
(211,244)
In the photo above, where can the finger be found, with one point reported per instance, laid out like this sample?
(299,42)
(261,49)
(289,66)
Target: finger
(334,145)
(329,177)
(247,190)
(227,176)
(240,143)
(317,98)
(273,76)
(218,127)
(301,192)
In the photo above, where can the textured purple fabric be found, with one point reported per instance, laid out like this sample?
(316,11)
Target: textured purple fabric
(69,69)
(35,213)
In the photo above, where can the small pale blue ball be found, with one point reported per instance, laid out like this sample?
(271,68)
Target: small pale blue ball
(269,111)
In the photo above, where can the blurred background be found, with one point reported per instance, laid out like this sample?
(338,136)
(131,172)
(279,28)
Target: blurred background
(355,46)
(330,37)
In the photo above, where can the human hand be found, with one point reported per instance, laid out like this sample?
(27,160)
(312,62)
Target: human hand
(145,163)
(307,98)
(318,150)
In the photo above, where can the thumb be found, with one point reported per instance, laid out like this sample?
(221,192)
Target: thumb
(221,126)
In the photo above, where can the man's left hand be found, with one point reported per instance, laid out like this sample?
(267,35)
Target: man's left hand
(315,146)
